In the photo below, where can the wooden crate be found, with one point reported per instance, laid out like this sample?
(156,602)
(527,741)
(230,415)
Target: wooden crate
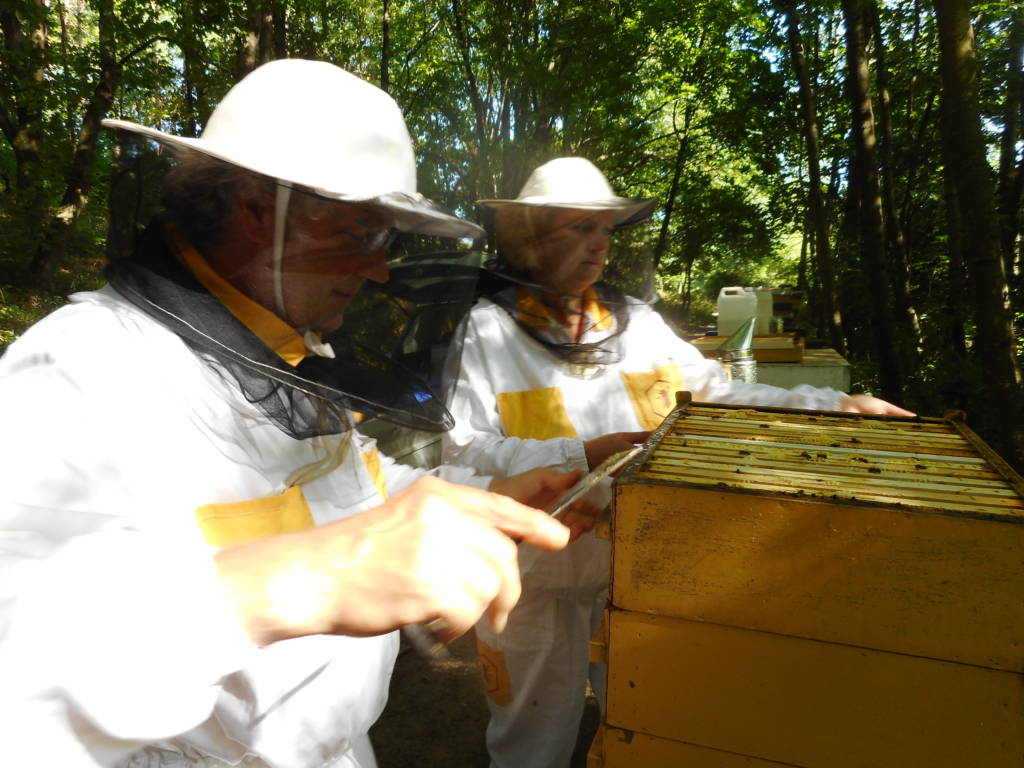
(818,590)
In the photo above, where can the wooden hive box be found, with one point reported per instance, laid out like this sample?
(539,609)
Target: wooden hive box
(770,348)
(818,590)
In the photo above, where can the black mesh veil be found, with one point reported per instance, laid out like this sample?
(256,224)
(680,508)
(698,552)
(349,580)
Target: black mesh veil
(310,399)
(316,397)
(427,296)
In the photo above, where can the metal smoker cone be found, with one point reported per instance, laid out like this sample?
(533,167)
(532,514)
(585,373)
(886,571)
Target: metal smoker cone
(737,354)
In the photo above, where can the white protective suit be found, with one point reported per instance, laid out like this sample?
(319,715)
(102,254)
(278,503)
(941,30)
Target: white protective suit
(510,390)
(116,642)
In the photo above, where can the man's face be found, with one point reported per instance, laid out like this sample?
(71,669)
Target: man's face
(330,249)
(573,251)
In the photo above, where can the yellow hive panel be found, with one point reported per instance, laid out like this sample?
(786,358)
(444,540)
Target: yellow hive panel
(616,748)
(942,586)
(897,550)
(806,703)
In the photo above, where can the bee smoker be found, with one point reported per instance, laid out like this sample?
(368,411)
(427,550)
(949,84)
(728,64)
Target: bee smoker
(736,354)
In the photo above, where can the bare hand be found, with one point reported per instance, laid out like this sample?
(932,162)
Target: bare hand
(872,405)
(435,550)
(600,448)
(541,488)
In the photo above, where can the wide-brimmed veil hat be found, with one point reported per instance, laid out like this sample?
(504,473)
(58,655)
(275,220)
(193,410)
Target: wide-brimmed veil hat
(576,183)
(314,126)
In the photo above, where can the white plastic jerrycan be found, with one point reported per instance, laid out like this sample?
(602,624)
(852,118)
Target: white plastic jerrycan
(736,305)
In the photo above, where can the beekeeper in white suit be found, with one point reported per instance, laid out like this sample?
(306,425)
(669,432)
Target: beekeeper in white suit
(561,370)
(201,562)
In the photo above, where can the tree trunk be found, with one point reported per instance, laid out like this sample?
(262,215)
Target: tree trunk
(258,42)
(851,287)
(385,48)
(913,167)
(818,214)
(870,230)
(21,113)
(52,251)
(190,123)
(65,62)
(958,388)
(473,91)
(249,54)
(688,294)
(1009,181)
(279,29)
(956,306)
(994,344)
(908,330)
(673,189)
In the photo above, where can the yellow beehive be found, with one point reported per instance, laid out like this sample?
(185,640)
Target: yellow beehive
(818,590)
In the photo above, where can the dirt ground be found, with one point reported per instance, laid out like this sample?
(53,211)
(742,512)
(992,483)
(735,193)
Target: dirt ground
(436,715)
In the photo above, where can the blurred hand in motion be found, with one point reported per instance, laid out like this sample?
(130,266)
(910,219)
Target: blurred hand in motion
(542,488)
(871,405)
(600,448)
(435,550)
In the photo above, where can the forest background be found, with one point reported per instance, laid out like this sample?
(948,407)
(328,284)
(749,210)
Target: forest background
(869,153)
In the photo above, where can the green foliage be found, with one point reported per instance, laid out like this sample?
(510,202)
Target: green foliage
(699,98)
(21,304)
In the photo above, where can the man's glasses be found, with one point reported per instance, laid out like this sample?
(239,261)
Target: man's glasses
(369,239)
(361,239)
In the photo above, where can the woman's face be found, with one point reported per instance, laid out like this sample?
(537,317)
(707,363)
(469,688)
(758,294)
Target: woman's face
(572,252)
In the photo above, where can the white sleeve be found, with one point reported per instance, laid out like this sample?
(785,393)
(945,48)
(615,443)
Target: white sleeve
(111,633)
(477,439)
(399,476)
(706,378)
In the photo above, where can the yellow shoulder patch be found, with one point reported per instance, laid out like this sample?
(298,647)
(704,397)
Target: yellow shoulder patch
(536,414)
(225,525)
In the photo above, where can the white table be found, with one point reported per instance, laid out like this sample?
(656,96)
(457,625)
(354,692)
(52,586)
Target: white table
(820,368)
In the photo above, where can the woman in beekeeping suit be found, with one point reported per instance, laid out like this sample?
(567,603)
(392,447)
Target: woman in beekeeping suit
(559,369)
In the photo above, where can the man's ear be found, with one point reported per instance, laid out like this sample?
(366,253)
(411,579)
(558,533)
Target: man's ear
(256,218)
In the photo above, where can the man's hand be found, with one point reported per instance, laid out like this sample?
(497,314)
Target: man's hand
(435,550)
(600,448)
(541,488)
(871,405)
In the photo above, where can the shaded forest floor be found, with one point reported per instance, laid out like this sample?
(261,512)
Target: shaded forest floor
(436,715)
(24,299)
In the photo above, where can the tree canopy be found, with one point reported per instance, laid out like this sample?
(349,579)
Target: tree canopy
(868,153)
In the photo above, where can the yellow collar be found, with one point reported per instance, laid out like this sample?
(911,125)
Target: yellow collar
(536,314)
(268,327)
(598,312)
